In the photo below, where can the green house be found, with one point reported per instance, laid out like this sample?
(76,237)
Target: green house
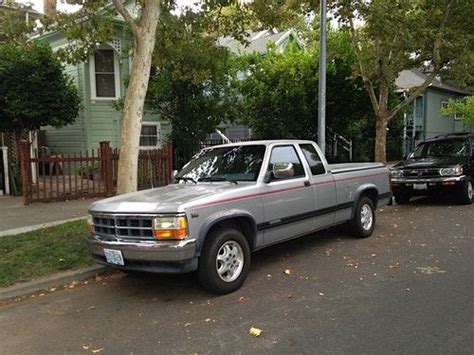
(100,81)
(424,120)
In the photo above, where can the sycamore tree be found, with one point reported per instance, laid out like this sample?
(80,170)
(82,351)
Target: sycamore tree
(15,22)
(392,35)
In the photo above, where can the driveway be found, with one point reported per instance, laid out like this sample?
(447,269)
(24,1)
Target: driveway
(407,289)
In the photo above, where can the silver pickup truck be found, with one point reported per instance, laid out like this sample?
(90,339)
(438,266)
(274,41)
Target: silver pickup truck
(229,201)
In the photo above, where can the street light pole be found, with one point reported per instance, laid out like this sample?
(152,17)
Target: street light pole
(322,80)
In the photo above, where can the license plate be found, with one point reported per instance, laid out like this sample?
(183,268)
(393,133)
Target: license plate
(114,257)
(420,186)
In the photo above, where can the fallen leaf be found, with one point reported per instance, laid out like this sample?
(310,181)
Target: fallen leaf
(85,347)
(208,320)
(187,325)
(287,271)
(97,350)
(321,293)
(255,332)
(431,270)
(92,308)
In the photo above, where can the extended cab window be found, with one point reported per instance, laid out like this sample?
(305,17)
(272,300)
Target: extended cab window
(313,159)
(286,154)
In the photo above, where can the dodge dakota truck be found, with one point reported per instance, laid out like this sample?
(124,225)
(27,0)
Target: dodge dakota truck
(229,201)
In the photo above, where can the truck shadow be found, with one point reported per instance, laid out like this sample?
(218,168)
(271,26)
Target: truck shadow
(185,287)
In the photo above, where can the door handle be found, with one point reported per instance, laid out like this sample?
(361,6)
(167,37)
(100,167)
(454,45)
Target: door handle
(307,183)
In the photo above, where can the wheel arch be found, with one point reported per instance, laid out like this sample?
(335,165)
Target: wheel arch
(238,219)
(369,190)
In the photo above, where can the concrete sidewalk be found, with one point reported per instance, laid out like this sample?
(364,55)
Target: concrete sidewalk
(14,215)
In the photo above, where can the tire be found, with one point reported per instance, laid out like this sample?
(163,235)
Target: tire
(224,249)
(363,223)
(402,199)
(465,195)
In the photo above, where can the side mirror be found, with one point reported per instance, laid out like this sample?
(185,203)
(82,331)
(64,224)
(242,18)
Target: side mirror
(175,173)
(283,170)
(268,177)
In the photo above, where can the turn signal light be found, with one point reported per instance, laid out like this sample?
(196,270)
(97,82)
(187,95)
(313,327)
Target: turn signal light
(170,227)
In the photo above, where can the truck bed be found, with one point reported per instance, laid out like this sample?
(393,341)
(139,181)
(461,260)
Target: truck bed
(348,167)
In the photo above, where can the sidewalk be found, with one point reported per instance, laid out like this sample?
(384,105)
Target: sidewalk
(14,215)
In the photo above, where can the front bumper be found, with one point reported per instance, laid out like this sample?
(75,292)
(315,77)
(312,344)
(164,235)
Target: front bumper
(433,185)
(154,256)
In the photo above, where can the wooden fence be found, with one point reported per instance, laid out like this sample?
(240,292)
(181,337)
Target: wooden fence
(93,173)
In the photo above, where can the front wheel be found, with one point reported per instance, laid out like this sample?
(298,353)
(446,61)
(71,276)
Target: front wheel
(363,223)
(465,195)
(224,262)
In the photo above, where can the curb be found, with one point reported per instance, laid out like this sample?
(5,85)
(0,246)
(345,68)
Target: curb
(35,227)
(56,280)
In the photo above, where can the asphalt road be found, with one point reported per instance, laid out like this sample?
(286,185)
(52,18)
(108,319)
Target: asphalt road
(407,289)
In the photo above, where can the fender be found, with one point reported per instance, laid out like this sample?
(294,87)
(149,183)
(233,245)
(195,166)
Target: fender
(219,217)
(360,190)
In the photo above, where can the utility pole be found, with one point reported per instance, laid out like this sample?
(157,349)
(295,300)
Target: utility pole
(322,80)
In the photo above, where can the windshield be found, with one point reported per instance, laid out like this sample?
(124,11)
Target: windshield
(448,147)
(237,163)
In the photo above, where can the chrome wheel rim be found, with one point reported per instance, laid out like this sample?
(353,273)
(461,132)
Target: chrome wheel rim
(366,217)
(469,190)
(229,261)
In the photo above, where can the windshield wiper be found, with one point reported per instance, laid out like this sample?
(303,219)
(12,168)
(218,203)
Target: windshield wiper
(186,179)
(215,178)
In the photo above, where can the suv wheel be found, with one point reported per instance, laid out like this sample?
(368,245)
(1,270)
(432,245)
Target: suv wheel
(466,192)
(224,262)
(363,223)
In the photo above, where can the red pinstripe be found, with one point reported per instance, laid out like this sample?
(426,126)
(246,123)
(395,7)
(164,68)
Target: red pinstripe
(281,190)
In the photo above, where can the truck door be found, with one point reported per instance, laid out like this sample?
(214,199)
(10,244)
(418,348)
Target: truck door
(288,202)
(323,187)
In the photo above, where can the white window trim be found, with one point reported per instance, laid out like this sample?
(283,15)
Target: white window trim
(116,76)
(158,126)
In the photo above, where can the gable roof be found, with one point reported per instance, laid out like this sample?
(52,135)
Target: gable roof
(258,41)
(408,79)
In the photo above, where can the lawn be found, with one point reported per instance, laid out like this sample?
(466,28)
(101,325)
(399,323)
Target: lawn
(31,255)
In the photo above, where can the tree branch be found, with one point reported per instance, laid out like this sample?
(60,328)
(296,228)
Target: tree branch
(365,78)
(126,16)
(413,95)
(437,66)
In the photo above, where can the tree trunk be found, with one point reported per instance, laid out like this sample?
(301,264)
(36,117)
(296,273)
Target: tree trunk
(50,8)
(135,99)
(381,139)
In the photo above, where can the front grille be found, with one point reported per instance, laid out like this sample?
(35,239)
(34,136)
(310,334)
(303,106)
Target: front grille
(421,173)
(135,227)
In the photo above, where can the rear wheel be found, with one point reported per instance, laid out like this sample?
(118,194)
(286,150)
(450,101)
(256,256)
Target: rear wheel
(224,262)
(363,223)
(402,199)
(465,195)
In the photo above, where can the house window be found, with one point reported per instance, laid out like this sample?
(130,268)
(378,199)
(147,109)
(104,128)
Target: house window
(105,80)
(150,135)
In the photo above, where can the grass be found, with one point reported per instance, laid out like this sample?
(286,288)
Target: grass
(31,255)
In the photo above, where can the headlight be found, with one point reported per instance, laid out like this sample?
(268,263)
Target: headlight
(452,171)
(90,223)
(396,173)
(170,227)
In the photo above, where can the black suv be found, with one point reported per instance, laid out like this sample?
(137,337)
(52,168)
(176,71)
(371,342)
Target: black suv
(443,163)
